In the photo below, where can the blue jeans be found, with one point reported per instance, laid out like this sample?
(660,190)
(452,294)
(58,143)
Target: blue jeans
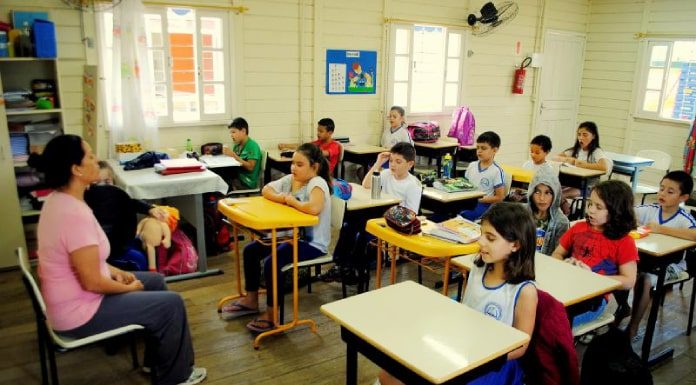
(476,213)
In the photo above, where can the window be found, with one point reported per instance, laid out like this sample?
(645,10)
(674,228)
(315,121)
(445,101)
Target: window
(425,71)
(668,88)
(189,60)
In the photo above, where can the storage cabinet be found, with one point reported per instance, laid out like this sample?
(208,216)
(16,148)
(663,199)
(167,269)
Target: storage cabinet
(24,128)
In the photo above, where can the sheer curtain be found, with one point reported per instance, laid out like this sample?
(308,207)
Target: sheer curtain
(128,90)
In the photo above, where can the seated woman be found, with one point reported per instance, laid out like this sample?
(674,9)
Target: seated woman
(84,295)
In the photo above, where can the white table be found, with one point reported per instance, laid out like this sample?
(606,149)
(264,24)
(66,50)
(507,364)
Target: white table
(420,336)
(183,191)
(630,165)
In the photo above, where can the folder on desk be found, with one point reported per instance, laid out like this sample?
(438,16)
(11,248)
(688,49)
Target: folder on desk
(178,166)
(456,229)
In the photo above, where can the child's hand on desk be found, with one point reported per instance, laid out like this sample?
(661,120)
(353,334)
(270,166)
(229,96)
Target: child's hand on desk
(654,227)
(290,200)
(382,158)
(578,263)
(226,150)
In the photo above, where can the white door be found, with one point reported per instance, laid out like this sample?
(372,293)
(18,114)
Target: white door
(561,76)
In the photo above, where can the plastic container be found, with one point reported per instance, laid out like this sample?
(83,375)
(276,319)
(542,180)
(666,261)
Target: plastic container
(447,166)
(4,51)
(376,186)
(189,145)
(44,38)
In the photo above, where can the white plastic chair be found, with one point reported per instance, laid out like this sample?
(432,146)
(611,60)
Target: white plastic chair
(663,161)
(50,340)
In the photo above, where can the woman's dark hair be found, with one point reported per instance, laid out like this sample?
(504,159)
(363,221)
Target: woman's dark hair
(312,152)
(594,144)
(618,200)
(56,162)
(514,223)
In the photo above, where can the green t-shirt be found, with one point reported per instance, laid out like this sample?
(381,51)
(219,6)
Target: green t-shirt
(247,151)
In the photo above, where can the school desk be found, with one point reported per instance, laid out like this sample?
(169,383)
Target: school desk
(420,336)
(183,191)
(261,214)
(275,161)
(578,177)
(362,154)
(630,165)
(449,203)
(657,251)
(421,244)
(438,150)
(519,174)
(554,276)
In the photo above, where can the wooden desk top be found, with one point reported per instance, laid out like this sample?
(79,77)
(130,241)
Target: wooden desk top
(275,155)
(518,173)
(424,245)
(259,213)
(659,245)
(446,197)
(580,172)
(441,143)
(361,199)
(425,331)
(363,149)
(567,283)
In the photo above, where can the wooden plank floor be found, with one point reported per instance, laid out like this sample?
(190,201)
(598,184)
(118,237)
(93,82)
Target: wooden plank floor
(224,347)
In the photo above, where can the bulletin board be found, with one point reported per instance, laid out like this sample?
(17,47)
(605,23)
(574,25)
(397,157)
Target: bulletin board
(351,72)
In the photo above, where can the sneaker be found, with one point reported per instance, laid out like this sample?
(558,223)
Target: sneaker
(146,369)
(332,275)
(197,376)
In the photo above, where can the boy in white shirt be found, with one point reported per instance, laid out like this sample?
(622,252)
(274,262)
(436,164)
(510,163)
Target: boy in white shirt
(539,149)
(486,175)
(664,217)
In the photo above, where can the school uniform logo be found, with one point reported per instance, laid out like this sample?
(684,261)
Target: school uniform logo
(485,182)
(494,310)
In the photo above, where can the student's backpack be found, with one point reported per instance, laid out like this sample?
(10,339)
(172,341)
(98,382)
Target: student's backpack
(217,235)
(463,126)
(424,132)
(609,359)
(341,188)
(180,258)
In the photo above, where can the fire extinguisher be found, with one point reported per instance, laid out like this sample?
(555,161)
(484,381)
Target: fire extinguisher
(518,80)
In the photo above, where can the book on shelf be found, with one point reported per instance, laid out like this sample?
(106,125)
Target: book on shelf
(457,230)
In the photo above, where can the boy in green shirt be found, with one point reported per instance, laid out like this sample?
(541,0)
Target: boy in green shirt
(247,152)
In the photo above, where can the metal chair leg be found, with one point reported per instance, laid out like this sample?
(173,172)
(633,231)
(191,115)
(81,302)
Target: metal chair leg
(134,351)
(52,363)
(691,307)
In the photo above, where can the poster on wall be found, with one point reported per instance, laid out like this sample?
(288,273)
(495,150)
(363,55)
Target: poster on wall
(350,72)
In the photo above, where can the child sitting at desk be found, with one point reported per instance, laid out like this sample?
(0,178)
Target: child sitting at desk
(544,200)
(601,243)
(486,175)
(329,147)
(307,190)
(664,217)
(398,129)
(247,152)
(503,275)
(539,149)
(396,181)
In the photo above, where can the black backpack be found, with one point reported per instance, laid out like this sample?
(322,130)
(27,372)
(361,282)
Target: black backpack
(610,359)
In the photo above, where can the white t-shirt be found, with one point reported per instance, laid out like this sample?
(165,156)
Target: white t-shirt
(319,235)
(653,213)
(486,180)
(597,154)
(408,189)
(389,139)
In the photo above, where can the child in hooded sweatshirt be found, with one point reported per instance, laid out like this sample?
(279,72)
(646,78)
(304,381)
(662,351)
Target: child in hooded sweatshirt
(544,200)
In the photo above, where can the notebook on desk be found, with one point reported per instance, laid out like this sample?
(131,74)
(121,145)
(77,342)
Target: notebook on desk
(213,161)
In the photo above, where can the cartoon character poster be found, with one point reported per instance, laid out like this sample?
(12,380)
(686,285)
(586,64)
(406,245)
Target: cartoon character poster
(351,72)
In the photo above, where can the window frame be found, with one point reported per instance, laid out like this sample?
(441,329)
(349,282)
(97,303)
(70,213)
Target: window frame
(391,67)
(644,62)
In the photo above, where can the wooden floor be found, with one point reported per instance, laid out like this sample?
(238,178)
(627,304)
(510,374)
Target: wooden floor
(224,347)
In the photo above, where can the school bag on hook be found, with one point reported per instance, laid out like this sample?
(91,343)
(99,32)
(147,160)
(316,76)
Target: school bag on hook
(463,126)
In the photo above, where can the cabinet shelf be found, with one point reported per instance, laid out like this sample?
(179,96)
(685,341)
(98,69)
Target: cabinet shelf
(33,111)
(27,59)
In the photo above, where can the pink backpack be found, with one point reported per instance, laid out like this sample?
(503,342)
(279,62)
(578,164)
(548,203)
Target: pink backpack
(180,258)
(463,126)
(424,132)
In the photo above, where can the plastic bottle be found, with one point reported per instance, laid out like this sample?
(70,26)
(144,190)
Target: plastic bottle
(189,145)
(447,166)
(4,51)
(24,45)
(376,185)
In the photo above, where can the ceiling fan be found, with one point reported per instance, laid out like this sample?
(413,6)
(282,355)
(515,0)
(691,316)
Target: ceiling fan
(492,17)
(92,5)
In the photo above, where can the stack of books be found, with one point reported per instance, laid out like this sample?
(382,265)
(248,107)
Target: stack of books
(178,166)
(457,230)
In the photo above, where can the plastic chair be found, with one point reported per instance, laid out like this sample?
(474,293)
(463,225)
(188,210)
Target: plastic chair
(49,340)
(663,162)
(259,186)
(340,162)
(338,209)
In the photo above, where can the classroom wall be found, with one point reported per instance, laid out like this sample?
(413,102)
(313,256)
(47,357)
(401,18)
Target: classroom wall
(611,66)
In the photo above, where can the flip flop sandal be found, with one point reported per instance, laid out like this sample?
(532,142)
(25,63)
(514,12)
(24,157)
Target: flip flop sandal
(229,313)
(260,325)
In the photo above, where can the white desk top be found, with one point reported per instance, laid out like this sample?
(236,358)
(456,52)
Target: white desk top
(440,143)
(425,331)
(628,160)
(567,283)
(275,155)
(363,149)
(361,199)
(446,197)
(581,172)
(659,245)
(147,184)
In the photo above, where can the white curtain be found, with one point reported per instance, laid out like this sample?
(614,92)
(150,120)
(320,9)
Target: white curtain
(128,91)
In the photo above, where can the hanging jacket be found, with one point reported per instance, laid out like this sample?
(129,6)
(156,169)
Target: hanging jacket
(551,358)
(558,222)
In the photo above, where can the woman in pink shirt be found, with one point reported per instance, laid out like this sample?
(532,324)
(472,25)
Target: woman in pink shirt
(84,295)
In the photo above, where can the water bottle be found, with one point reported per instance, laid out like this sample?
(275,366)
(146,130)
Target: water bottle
(376,185)
(4,51)
(447,166)
(189,145)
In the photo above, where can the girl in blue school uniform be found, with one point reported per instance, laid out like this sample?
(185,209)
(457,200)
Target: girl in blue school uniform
(500,284)
(306,189)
